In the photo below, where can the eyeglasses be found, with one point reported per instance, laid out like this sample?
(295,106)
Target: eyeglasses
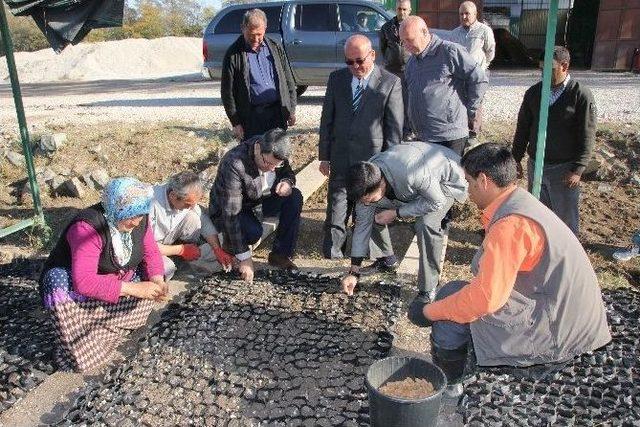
(358,61)
(276,165)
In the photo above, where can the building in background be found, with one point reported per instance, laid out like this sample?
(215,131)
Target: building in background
(601,34)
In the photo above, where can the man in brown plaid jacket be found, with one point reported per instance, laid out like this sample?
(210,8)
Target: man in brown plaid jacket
(257,172)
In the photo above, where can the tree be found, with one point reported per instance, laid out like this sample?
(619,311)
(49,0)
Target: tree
(25,34)
(150,23)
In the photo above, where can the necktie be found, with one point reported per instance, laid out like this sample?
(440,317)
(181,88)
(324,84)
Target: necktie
(357,96)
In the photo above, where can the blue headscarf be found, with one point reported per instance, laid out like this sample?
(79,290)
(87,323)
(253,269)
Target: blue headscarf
(124,198)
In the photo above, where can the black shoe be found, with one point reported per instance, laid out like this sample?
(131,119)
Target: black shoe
(415,313)
(381,265)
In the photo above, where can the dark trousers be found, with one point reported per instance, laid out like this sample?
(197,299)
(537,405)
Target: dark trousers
(406,126)
(264,118)
(554,193)
(339,209)
(287,209)
(456,145)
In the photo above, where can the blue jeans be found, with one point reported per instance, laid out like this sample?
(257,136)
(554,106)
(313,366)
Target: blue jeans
(446,334)
(288,210)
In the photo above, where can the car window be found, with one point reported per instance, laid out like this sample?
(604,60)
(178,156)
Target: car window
(231,22)
(360,19)
(316,17)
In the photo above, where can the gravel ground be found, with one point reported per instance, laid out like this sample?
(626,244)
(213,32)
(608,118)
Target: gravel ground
(190,98)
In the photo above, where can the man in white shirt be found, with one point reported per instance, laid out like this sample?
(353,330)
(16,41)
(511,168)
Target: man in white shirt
(178,223)
(479,41)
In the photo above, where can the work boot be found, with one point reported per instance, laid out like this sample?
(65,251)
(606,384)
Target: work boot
(415,312)
(281,261)
(457,365)
(388,264)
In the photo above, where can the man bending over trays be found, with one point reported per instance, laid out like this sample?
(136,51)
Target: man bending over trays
(534,298)
(410,180)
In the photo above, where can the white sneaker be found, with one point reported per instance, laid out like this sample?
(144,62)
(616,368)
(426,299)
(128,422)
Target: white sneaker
(627,254)
(453,391)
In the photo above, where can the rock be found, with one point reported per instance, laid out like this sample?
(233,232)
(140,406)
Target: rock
(48,175)
(635,179)
(100,177)
(65,172)
(191,134)
(73,187)
(56,184)
(15,159)
(605,188)
(6,256)
(606,153)
(52,142)
(97,149)
(86,180)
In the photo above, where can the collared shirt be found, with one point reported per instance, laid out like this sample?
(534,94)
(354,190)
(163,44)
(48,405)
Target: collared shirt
(445,88)
(513,244)
(164,219)
(267,179)
(558,91)
(363,81)
(262,76)
(479,41)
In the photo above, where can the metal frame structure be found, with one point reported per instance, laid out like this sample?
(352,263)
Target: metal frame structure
(552,23)
(38,217)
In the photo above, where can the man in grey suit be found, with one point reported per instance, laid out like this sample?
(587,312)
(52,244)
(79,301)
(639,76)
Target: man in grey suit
(410,180)
(362,115)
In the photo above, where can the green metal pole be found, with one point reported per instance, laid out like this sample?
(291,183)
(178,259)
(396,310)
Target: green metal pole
(552,23)
(22,122)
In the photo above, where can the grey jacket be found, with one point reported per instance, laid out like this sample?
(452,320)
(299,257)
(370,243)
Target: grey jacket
(347,137)
(555,311)
(422,175)
(445,88)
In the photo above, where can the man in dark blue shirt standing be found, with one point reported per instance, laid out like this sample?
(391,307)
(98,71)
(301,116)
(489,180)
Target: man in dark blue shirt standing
(258,91)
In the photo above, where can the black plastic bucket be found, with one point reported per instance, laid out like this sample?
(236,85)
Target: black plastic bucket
(388,411)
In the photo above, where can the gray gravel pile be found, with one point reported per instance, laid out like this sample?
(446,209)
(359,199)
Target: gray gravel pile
(599,388)
(26,336)
(289,349)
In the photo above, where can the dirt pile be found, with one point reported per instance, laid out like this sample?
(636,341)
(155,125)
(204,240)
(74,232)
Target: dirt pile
(120,59)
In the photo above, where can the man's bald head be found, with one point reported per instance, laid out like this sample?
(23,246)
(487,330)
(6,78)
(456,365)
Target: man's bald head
(358,41)
(359,55)
(414,34)
(468,13)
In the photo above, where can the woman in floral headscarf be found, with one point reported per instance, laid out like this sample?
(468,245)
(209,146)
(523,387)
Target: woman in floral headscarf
(91,281)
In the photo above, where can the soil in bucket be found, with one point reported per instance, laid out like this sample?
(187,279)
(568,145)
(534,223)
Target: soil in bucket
(391,410)
(408,388)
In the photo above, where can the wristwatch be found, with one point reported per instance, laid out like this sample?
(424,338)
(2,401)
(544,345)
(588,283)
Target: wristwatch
(354,273)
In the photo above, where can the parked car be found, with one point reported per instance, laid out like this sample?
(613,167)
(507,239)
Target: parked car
(312,33)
